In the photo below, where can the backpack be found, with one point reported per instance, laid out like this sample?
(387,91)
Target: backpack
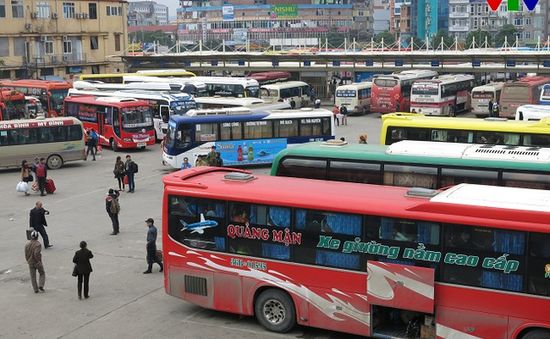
(135,167)
(115,206)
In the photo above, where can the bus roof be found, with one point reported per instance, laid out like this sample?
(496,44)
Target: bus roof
(428,153)
(229,101)
(355,85)
(447,78)
(107,101)
(36,83)
(410,74)
(528,81)
(285,84)
(488,124)
(39,123)
(137,94)
(489,87)
(225,80)
(254,115)
(535,108)
(455,206)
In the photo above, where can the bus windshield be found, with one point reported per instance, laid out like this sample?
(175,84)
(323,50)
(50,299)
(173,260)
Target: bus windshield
(515,93)
(425,89)
(133,117)
(180,107)
(253,91)
(385,82)
(178,138)
(546,91)
(346,93)
(57,97)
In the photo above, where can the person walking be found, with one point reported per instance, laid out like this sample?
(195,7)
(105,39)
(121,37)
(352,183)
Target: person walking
(343,114)
(33,255)
(490,106)
(41,172)
(26,175)
(90,143)
(119,170)
(113,209)
(37,220)
(83,268)
(185,164)
(496,110)
(130,170)
(152,247)
(336,112)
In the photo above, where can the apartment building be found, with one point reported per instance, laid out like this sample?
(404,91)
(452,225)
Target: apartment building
(147,13)
(400,19)
(363,17)
(61,38)
(381,16)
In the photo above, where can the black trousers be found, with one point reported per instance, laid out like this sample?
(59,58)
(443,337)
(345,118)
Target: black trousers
(41,184)
(91,149)
(120,180)
(114,221)
(83,279)
(43,234)
(152,257)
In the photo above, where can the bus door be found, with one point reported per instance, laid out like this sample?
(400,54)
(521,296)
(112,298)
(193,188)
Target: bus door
(102,116)
(164,113)
(116,121)
(394,287)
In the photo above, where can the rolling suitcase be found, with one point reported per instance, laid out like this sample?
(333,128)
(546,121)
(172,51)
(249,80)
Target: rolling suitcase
(50,186)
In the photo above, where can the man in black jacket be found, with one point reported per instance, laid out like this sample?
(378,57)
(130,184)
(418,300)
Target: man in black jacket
(37,220)
(112,206)
(152,246)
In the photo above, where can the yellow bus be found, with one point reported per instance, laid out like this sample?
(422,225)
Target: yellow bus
(495,131)
(117,78)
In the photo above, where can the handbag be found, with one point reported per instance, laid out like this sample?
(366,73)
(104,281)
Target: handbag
(75,272)
(22,187)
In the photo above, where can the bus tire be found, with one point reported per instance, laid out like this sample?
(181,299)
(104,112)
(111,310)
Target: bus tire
(54,162)
(275,311)
(113,145)
(536,334)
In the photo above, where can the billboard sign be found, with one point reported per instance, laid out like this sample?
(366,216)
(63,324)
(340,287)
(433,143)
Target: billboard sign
(284,10)
(513,5)
(228,13)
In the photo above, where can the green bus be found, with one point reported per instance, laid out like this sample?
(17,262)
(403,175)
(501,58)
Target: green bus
(417,164)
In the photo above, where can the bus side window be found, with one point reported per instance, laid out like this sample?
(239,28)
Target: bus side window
(537,266)
(410,176)
(526,180)
(453,176)
(365,173)
(541,140)
(302,168)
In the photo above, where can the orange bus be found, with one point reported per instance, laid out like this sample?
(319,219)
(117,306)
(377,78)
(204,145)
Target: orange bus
(12,105)
(50,93)
(522,92)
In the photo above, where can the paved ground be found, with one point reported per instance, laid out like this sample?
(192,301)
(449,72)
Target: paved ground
(124,303)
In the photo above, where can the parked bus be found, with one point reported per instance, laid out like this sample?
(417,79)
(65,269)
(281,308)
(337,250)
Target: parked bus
(12,105)
(522,92)
(163,104)
(481,95)
(444,95)
(185,85)
(117,78)
(58,140)
(226,102)
(50,93)
(411,126)
(269,77)
(391,92)
(241,137)
(532,112)
(356,97)
(545,95)
(229,86)
(121,123)
(467,262)
(417,164)
(288,91)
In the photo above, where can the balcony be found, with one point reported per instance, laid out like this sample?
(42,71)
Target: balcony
(458,15)
(457,28)
(56,60)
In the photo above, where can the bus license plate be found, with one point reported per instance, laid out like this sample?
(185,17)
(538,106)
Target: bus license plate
(141,144)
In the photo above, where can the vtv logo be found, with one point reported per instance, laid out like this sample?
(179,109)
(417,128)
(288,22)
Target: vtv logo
(513,5)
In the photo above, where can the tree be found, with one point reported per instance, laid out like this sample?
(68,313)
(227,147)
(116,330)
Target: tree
(447,39)
(480,37)
(507,31)
(336,39)
(163,38)
(388,37)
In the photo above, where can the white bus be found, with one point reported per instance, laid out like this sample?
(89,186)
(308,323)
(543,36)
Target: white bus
(111,87)
(185,85)
(532,112)
(545,95)
(354,97)
(288,91)
(444,95)
(163,104)
(58,140)
(481,95)
(229,86)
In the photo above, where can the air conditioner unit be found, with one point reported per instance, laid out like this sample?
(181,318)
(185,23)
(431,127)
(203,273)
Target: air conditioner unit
(54,16)
(85,15)
(28,27)
(34,15)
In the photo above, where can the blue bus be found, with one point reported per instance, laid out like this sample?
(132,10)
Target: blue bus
(545,95)
(240,137)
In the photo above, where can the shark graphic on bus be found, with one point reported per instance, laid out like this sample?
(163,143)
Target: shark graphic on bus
(199,227)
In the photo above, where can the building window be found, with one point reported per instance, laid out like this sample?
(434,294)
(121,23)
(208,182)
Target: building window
(94,42)
(17,8)
(68,10)
(48,46)
(117,42)
(95,69)
(2,8)
(43,10)
(92,9)
(67,46)
(527,21)
(527,35)
(19,46)
(4,47)
(114,11)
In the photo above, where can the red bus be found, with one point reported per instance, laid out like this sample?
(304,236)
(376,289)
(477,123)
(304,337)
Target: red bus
(391,92)
(12,105)
(522,92)
(269,77)
(50,93)
(471,261)
(120,122)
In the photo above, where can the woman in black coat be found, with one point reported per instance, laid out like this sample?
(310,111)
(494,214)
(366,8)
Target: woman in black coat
(83,268)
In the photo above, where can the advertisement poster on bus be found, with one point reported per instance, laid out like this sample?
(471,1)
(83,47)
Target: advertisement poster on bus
(249,152)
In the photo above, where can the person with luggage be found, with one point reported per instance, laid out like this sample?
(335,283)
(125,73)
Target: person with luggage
(131,168)
(119,173)
(152,247)
(90,144)
(37,220)
(112,206)
(41,172)
(26,176)
(33,255)
(82,269)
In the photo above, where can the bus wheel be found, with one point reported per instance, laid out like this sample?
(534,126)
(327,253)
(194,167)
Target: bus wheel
(54,162)
(537,334)
(113,145)
(275,311)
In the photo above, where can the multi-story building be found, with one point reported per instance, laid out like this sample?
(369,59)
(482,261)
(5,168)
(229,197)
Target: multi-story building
(459,18)
(296,22)
(381,16)
(531,25)
(362,18)
(147,13)
(430,16)
(400,19)
(50,37)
